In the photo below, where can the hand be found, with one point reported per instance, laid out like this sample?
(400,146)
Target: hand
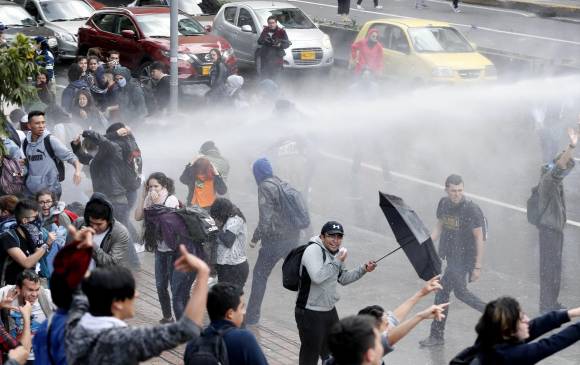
(19,354)
(573,135)
(475,274)
(77,178)
(84,236)
(154,196)
(77,141)
(342,256)
(370,266)
(434,312)
(83,114)
(432,285)
(573,313)
(6,303)
(51,238)
(123,132)
(26,309)
(190,263)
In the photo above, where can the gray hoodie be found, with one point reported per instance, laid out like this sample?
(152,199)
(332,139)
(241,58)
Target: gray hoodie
(317,290)
(42,171)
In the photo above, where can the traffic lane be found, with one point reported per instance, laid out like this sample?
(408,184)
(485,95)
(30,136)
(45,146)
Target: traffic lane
(557,40)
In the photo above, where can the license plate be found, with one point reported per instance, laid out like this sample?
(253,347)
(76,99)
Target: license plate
(205,70)
(308,55)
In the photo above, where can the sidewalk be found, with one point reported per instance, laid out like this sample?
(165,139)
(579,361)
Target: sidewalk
(542,8)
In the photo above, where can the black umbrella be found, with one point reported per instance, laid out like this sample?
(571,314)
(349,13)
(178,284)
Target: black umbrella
(412,235)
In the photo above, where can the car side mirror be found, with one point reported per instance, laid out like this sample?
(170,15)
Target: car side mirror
(207,28)
(247,28)
(128,34)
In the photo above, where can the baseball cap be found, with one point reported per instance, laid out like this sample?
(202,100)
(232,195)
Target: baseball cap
(332,227)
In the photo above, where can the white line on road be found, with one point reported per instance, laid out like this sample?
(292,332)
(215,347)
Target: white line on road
(436,186)
(518,34)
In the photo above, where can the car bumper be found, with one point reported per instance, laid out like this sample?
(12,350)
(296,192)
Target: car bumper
(308,56)
(67,50)
(194,73)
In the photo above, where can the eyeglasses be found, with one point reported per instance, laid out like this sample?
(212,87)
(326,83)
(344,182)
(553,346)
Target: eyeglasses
(47,202)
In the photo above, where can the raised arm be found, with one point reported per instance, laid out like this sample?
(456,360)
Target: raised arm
(569,151)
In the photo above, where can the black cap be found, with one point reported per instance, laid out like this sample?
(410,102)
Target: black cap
(332,227)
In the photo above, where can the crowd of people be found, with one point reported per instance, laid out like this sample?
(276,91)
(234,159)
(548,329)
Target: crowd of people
(67,284)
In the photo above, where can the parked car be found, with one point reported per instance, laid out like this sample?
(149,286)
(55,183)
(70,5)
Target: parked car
(187,6)
(142,36)
(17,20)
(242,22)
(422,51)
(64,17)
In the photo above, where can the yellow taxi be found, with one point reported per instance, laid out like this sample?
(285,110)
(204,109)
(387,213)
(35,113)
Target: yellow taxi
(428,51)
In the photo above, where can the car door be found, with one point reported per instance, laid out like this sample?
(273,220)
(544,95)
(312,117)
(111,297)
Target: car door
(103,35)
(130,48)
(396,49)
(247,42)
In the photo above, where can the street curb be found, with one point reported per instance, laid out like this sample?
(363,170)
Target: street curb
(541,9)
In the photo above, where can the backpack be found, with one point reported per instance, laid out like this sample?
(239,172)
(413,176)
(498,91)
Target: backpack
(293,206)
(533,207)
(132,156)
(200,224)
(48,147)
(208,349)
(12,179)
(291,266)
(484,227)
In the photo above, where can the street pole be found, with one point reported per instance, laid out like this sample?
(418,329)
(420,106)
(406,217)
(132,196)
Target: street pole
(174,12)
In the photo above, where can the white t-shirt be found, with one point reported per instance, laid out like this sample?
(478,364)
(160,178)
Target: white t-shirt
(236,254)
(170,202)
(97,241)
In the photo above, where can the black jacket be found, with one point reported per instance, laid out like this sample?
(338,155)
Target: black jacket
(106,167)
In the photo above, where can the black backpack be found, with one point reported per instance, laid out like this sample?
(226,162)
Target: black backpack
(291,266)
(132,157)
(208,349)
(48,147)
(533,207)
(200,224)
(293,206)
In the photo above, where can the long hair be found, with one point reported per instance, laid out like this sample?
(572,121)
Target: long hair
(499,322)
(202,168)
(90,101)
(163,180)
(222,209)
(151,234)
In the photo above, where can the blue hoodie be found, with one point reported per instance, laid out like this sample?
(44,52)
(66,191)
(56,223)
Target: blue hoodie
(262,170)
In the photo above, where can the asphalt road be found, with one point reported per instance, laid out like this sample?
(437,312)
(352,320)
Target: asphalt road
(502,29)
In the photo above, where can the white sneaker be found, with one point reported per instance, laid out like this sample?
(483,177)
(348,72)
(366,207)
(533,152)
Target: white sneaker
(378,7)
(359,7)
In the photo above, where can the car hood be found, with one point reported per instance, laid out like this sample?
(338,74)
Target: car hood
(457,61)
(71,27)
(299,35)
(198,43)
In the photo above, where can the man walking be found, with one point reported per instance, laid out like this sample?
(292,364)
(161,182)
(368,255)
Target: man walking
(460,227)
(321,268)
(551,223)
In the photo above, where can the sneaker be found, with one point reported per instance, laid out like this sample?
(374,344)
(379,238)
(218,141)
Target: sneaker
(166,320)
(432,341)
(378,7)
(359,7)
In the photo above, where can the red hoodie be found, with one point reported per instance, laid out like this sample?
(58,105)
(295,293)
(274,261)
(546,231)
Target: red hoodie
(370,58)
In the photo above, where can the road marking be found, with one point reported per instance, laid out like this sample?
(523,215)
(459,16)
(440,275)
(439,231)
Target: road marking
(518,34)
(435,185)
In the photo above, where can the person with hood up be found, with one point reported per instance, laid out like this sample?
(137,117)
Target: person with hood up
(217,76)
(367,54)
(128,97)
(204,182)
(273,41)
(7,205)
(111,239)
(76,83)
(234,93)
(210,151)
(85,112)
(108,170)
(43,171)
(277,238)
(45,57)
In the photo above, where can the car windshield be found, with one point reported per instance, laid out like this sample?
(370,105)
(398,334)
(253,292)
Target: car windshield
(157,25)
(189,7)
(56,11)
(438,40)
(292,18)
(13,15)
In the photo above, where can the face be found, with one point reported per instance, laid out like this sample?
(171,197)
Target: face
(374,355)
(37,125)
(83,64)
(29,216)
(93,65)
(455,193)
(45,202)
(114,59)
(214,56)
(118,77)
(156,74)
(153,185)
(29,291)
(83,100)
(237,316)
(332,241)
(272,24)
(41,79)
(125,309)
(99,225)
(523,329)
(384,323)
(374,36)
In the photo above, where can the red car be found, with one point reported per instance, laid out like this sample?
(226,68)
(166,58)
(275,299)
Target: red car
(142,37)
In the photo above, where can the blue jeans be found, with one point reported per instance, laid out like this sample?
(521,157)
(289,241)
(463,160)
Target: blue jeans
(270,253)
(180,284)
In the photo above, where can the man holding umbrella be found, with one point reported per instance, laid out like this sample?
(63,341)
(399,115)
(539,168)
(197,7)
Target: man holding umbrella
(322,267)
(460,227)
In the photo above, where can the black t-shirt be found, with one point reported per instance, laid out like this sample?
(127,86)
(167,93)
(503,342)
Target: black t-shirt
(10,239)
(457,243)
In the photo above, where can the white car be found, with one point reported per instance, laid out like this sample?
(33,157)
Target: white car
(242,22)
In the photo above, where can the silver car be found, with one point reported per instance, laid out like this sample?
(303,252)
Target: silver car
(64,17)
(242,22)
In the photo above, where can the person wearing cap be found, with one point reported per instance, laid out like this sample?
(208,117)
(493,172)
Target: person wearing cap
(321,268)
(47,60)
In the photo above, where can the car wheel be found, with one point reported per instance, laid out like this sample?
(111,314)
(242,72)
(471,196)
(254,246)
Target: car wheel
(144,72)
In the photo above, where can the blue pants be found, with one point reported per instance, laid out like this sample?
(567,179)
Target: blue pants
(180,284)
